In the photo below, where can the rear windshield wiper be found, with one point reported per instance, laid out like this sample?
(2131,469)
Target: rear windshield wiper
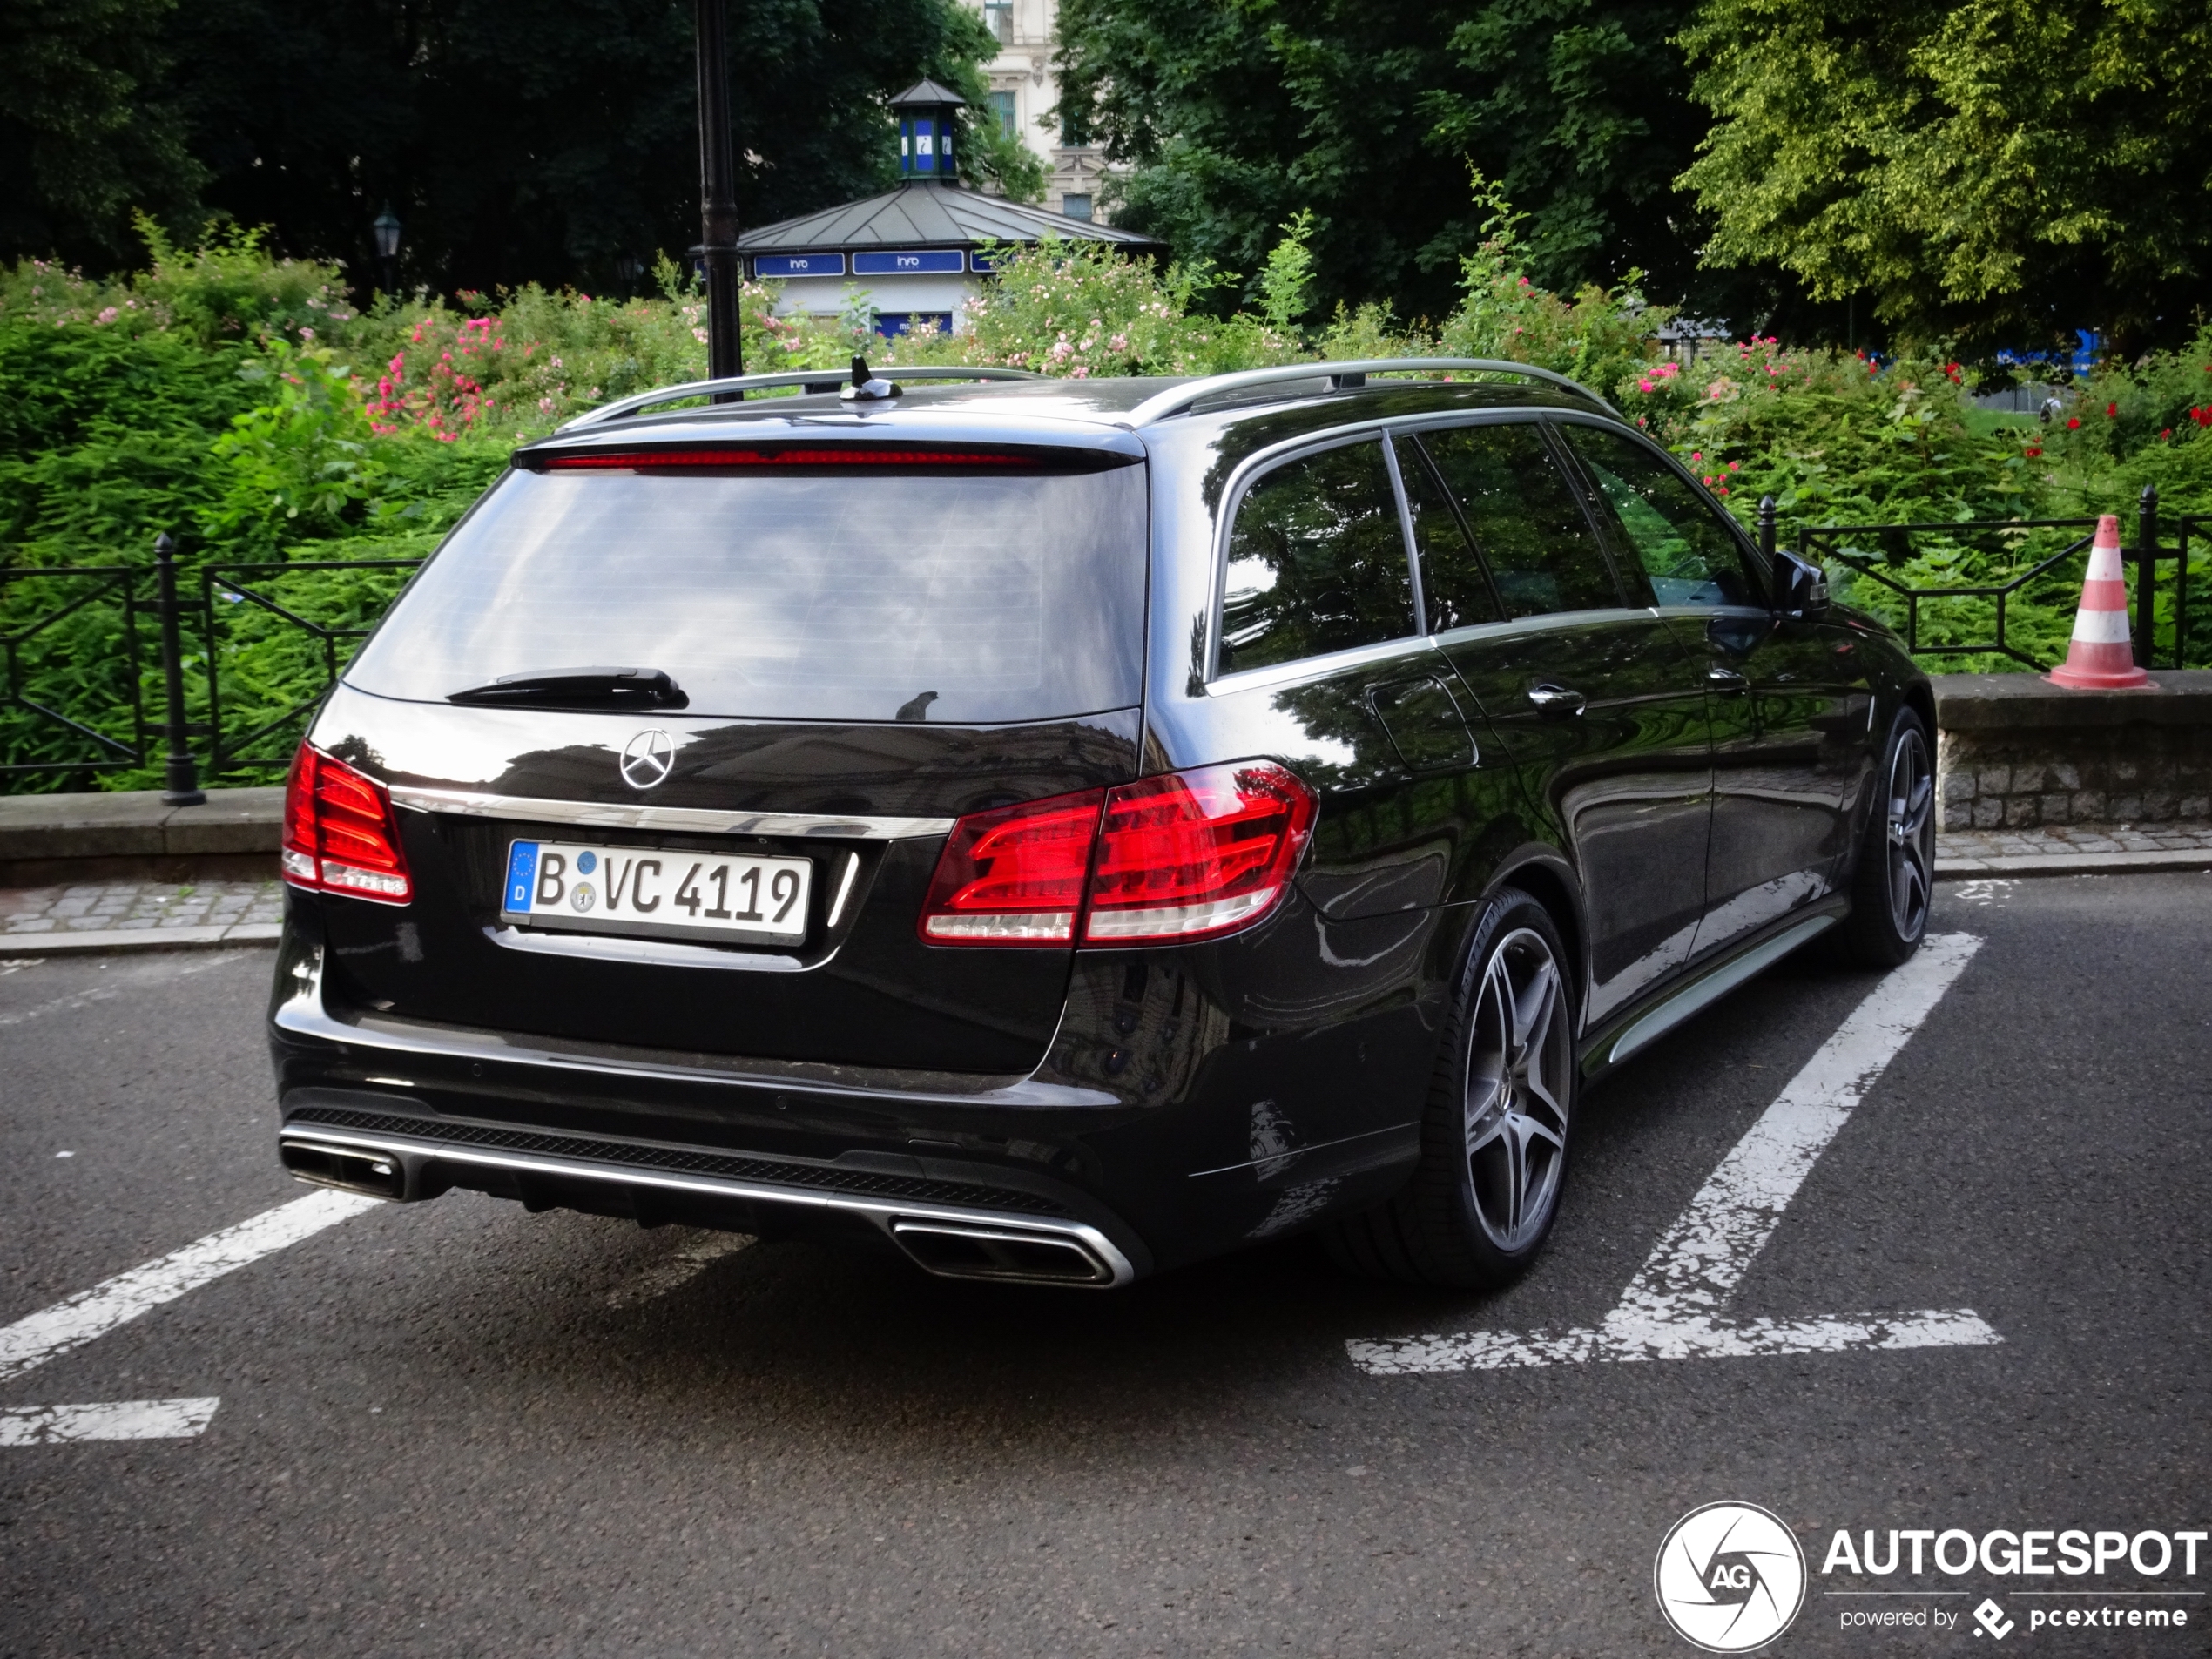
(594,689)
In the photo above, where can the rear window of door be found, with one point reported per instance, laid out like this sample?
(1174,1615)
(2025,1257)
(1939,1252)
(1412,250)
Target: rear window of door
(849,597)
(1317,562)
(1542,553)
(1690,554)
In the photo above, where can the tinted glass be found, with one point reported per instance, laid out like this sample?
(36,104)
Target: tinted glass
(1317,562)
(1527,523)
(1454,586)
(800,598)
(1690,556)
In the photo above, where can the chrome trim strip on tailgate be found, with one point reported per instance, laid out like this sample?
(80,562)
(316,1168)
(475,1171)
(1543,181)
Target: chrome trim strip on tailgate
(303,1014)
(880,1211)
(609,948)
(694,820)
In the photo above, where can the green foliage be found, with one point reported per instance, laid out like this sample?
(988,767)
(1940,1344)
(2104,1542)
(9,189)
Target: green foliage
(1837,440)
(1234,117)
(189,400)
(1595,338)
(544,141)
(86,131)
(1991,171)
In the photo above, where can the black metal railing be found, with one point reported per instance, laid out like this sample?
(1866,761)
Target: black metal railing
(94,598)
(1845,545)
(89,637)
(85,642)
(247,584)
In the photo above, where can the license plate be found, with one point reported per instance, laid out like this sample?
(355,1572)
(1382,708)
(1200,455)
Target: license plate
(652,893)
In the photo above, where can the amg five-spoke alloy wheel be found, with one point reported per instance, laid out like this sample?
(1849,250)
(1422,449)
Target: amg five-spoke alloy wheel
(1894,886)
(1495,1138)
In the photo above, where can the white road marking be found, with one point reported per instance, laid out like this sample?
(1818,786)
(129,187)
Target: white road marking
(122,1420)
(78,1319)
(1672,1309)
(678,1269)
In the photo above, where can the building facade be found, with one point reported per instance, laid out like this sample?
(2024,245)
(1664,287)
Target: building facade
(1025,91)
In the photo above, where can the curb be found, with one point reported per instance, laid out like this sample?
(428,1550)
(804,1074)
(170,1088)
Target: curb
(2026,864)
(112,940)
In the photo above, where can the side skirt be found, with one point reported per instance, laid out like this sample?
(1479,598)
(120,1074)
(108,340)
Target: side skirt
(1643,1026)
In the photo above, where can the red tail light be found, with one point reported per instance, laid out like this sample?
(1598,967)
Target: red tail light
(339,834)
(1195,854)
(1014,876)
(1183,856)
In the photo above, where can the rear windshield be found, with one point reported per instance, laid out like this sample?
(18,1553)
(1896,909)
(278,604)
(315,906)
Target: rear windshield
(860,597)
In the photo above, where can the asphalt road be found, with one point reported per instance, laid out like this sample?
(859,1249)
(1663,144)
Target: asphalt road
(458,1429)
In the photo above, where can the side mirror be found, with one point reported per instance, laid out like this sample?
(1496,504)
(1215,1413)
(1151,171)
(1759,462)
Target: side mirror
(1800,588)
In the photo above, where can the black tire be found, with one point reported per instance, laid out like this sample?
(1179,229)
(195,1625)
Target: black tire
(1498,1123)
(1892,888)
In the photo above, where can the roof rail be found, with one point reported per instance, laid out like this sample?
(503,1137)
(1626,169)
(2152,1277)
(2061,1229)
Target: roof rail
(1179,399)
(825,379)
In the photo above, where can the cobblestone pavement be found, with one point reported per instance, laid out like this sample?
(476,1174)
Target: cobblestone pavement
(118,905)
(2073,838)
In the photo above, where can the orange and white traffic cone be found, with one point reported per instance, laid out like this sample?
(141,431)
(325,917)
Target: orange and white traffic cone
(2102,655)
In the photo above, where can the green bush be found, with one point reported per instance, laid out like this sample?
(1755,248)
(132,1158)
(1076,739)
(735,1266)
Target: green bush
(236,401)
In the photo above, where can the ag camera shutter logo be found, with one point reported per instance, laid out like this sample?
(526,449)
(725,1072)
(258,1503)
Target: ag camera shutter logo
(1729,1577)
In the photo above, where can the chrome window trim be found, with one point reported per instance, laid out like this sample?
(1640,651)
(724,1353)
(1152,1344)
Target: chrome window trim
(1318,668)
(690,820)
(1539,623)
(1247,473)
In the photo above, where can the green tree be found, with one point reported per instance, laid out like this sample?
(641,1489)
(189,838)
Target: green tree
(1235,115)
(518,140)
(2000,172)
(84,135)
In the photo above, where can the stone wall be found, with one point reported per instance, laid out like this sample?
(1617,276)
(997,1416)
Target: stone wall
(2015,752)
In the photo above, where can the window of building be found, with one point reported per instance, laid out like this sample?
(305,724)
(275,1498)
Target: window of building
(1075,206)
(998,16)
(1003,108)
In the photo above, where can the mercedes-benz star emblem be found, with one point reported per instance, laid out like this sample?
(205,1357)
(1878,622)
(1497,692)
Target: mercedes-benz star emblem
(647,757)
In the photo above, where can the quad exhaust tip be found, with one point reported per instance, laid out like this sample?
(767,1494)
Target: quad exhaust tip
(960,1250)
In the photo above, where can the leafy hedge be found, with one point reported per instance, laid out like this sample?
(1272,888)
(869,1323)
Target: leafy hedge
(238,402)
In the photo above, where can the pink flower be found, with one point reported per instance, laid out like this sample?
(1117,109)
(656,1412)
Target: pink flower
(1697,454)
(109,315)
(1647,386)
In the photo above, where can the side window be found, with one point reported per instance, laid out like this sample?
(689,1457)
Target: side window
(1317,562)
(1527,523)
(1690,556)
(1454,586)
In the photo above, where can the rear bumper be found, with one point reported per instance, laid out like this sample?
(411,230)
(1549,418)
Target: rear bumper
(363,1144)
(405,1111)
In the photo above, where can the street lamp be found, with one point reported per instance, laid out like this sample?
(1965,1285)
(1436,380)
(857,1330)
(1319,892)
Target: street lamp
(387,228)
(718,249)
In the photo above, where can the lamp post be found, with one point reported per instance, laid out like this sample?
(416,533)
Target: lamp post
(387,229)
(718,249)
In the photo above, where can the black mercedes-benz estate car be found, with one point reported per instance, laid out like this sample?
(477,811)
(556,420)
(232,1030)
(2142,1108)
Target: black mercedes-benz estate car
(1068,829)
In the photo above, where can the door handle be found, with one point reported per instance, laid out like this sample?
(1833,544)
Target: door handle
(1556,702)
(1725,679)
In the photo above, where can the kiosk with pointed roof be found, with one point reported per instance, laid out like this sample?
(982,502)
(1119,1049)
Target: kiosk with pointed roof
(913,251)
